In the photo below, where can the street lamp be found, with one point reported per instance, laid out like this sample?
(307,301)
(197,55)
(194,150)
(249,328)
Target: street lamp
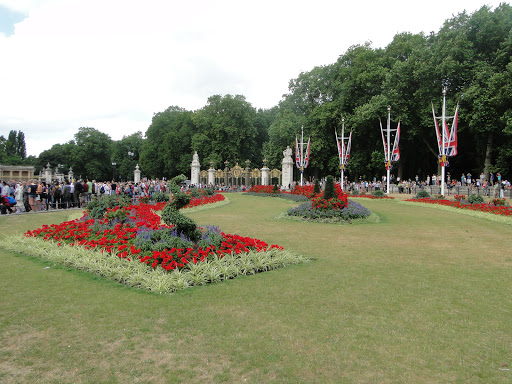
(113,169)
(131,154)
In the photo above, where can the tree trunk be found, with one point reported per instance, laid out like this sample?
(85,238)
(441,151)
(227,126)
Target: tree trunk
(488,158)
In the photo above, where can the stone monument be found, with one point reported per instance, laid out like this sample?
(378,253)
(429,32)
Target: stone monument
(265,180)
(48,174)
(211,174)
(195,169)
(287,168)
(136,174)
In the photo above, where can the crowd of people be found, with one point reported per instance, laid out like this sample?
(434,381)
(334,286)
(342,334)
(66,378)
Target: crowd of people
(35,196)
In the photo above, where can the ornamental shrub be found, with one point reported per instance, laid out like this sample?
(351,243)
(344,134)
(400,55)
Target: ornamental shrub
(499,202)
(119,215)
(160,197)
(316,189)
(172,216)
(275,190)
(475,199)
(422,194)
(97,208)
(329,192)
(378,193)
(174,184)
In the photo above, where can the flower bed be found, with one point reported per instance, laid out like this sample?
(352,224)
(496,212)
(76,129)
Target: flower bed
(336,209)
(373,196)
(261,189)
(198,201)
(129,244)
(142,235)
(488,208)
(351,211)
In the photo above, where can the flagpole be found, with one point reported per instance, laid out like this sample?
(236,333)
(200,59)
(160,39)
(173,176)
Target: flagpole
(388,160)
(342,153)
(302,157)
(443,142)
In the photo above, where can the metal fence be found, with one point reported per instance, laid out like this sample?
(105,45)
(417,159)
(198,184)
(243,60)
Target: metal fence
(456,190)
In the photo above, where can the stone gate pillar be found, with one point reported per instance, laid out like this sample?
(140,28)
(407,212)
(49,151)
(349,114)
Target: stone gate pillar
(265,179)
(287,168)
(211,174)
(195,169)
(136,174)
(48,174)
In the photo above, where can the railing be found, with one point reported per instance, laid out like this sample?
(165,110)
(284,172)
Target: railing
(456,190)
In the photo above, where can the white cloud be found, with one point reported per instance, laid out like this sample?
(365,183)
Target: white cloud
(111,64)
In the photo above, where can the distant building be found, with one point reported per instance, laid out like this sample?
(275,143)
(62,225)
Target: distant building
(16,172)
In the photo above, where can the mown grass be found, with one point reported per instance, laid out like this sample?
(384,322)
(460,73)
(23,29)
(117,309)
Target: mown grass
(423,296)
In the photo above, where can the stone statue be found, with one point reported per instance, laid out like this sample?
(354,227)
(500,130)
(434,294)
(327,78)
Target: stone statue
(287,152)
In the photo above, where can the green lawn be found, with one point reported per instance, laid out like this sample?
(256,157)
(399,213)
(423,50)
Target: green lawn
(424,296)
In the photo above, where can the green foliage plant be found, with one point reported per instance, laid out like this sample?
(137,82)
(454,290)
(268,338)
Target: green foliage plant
(117,214)
(171,216)
(378,193)
(97,208)
(160,197)
(422,194)
(329,192)
(475,199)
(316,188)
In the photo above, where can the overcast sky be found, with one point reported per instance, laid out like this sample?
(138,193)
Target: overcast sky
(112,64)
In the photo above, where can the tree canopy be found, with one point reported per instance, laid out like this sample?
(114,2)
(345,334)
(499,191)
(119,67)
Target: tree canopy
(470,55)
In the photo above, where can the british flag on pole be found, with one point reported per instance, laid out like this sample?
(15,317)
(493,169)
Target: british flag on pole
(449,149)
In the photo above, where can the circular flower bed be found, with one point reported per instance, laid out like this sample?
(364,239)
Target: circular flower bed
(351,211)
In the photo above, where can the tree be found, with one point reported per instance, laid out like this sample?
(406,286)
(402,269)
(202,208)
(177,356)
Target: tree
(226,131)
(126,153)
(20,149)
(167,148)
(92,154)
(13,148)
(59,155)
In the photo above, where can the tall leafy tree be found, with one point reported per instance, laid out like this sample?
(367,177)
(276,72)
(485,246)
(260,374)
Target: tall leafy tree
(226,131)
(126,153)
(92,154)
(13,148)
(166,151)
(59,155)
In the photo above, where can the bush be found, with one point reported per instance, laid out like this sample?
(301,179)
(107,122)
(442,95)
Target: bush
(422,194)
(119,215)
(172,216)
(329,192)
(174,184)
(475,199)
(275,189)
(97,208)
(316,189)
(160,197)
(195,192)
(378,193)
(499,202)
